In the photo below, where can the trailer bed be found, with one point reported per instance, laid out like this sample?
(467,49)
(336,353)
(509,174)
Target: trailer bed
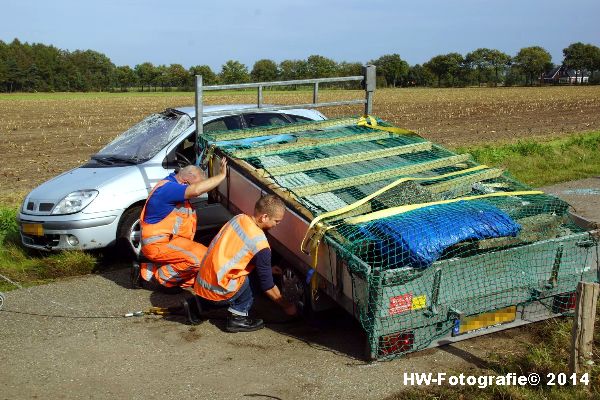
(373,172)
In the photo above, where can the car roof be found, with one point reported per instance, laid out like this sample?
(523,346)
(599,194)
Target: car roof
(191,110)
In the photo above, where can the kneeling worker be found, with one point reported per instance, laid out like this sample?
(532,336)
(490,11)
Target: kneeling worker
(239,248)
(168,223)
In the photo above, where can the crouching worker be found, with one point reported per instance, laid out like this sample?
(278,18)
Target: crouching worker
(168,223)
(240,248)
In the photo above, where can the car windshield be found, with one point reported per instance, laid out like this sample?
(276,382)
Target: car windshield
(145,139)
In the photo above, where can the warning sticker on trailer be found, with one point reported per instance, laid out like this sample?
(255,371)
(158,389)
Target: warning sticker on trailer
(400,304)
(419,302)
(406,302)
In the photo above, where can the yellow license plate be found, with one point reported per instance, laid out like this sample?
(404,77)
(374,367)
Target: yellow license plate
(33,229)
(479,321)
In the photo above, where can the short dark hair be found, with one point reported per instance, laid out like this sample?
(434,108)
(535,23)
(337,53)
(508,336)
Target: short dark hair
(268,204)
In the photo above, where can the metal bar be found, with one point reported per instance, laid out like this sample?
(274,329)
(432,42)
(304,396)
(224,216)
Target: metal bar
(308,143)
(285,107)
(283,83)
(435,293)
(467,180)
(348,158)
(370,83)
(282,129)
(368,78)
(553,281)
(378,176)
(199,111)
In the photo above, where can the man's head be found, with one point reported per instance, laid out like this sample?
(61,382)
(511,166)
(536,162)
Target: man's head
(190,174)
(268,211)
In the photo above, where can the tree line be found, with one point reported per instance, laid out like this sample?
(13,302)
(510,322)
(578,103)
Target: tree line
(37,67)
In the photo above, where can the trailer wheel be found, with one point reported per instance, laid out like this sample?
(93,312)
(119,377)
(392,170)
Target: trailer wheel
(293,288)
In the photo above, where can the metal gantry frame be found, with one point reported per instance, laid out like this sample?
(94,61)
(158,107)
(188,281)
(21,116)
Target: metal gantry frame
(368,79)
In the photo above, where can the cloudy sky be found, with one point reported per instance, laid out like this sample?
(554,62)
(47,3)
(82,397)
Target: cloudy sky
(195,32)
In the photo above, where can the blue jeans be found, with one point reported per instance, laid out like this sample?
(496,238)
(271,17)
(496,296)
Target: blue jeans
(240,303)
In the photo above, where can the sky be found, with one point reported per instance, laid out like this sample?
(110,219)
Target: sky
(198,32)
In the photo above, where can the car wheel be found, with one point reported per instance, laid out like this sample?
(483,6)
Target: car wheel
(129,233)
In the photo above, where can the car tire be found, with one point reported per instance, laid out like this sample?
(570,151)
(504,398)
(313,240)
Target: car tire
(129,233)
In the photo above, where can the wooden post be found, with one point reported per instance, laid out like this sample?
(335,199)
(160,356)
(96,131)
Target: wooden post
(583,326)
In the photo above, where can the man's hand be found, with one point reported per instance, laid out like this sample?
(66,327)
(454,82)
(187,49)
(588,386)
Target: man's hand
(223,170)
(275,295)
(196,189)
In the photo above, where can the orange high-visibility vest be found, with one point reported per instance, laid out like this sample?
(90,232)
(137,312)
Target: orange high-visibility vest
(181,221)
(226,264)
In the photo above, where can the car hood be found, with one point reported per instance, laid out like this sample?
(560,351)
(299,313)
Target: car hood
(57,188)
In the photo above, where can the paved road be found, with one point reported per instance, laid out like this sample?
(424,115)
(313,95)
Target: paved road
(96,356)
(583,195)
(152,357)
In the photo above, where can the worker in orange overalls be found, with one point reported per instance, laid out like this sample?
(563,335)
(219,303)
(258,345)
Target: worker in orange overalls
(168,223)
(240,248)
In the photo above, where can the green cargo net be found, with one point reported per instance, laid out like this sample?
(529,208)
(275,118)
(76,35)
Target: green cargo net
(447,247)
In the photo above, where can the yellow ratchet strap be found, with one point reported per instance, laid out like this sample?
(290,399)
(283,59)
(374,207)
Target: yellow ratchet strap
(389,212)
(207,160)
(317,230)
(371,122)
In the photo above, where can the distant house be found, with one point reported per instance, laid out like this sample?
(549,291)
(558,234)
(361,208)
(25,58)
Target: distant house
(564,75)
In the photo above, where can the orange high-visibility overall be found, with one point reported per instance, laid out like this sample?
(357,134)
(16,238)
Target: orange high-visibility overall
(169,245)
(227,261)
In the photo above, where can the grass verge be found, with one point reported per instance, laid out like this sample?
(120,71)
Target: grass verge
(544,163)
(29,267)
(548,353)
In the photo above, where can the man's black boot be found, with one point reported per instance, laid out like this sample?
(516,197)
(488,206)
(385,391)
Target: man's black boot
(135,277)
(191,312)
(239,323)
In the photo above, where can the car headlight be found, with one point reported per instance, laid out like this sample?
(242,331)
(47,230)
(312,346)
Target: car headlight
(24,205)
(75,202)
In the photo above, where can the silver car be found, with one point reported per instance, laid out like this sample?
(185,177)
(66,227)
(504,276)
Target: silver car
(98,204)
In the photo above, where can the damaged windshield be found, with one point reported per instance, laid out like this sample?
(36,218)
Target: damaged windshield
(145,139)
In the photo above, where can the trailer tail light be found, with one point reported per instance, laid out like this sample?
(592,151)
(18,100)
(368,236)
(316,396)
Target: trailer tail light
(396,343)
(565,302)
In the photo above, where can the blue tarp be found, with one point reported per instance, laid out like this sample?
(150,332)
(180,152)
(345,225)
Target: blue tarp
(256,141)
(418,238)
(250,142)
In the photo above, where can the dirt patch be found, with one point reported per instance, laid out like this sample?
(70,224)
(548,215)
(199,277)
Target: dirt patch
(247,345)
(191,335)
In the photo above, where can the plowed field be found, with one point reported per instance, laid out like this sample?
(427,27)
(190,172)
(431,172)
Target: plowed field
(45,134)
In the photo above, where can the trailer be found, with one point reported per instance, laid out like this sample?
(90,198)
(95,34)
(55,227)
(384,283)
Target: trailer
(423,246)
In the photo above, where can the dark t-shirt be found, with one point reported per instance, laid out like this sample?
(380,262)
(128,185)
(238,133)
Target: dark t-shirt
(164,200)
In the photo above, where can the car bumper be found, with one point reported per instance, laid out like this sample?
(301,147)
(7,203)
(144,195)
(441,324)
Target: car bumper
(76,232)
